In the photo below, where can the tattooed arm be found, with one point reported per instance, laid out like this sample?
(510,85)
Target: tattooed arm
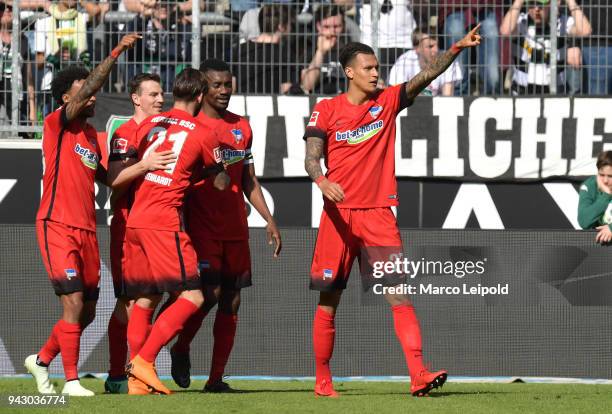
(314,153)
(97,77)
(312,164)
(415,85)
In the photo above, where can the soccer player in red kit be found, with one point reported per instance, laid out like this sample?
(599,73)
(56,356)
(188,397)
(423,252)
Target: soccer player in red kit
(218,227)
(66,221)
(159,254)
(147,96)
(355,132)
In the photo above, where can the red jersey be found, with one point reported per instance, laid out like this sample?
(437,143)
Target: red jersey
(158,198)
(360,146)
(221,215)
(70,159)
(122,147)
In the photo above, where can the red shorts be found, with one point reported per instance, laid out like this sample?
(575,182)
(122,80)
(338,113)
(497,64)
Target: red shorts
(117,260)
(158,261)
(224,262)
(71,258)
(343,233)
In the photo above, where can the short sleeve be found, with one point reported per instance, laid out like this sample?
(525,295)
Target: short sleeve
(453,73)
(40,36)
(394,74)
(319,121)
(56,120)
(396,97)
(122,147)
(248,155)
(569,24)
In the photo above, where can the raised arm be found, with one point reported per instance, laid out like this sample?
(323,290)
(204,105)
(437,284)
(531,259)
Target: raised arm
(97,77)
(415,85)
(582,25)
(508,24)
(310,76)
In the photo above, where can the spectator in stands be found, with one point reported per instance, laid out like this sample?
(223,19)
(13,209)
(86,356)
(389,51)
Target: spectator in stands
(425,44)
(164,47)
(23,78)
(395,25)
(142,7)
(324,74)
(95,9)
(30,4)
(60,40)
(531,69)
(238,8)
(266,65)
(597,50)
(595,200)
(456,17)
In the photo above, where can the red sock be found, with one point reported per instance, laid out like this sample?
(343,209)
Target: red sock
(117,346)
(224,332)
(167,325)
(409,334)
(51,348)
(323,334)
(69,338)
(192,326)
(138,328)
(165,306)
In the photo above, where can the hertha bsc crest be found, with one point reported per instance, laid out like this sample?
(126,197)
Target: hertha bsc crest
(375,111)
(237,133)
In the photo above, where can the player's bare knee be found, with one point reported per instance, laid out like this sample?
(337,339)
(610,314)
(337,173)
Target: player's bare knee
(73,306)
(148,301)
(88,313)
(329,301)
(87,317)
(229,301)
(212,293)
(194,296)
(397,299)
(121,311)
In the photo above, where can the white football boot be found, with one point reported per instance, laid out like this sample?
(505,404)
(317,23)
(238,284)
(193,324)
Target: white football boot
(40,374)
(75,389)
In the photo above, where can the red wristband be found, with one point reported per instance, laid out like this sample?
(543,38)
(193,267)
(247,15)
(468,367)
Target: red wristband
(319,179)
(455,49)
(115,53)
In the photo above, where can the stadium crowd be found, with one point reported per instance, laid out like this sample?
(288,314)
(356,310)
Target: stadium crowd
(282,47)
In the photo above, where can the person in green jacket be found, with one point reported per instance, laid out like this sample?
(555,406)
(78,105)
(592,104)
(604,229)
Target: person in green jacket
(595,200)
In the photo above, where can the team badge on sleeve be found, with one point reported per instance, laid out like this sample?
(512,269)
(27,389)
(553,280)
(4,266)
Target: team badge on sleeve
(217,154)
(313,119)
(237,133)
(119,146)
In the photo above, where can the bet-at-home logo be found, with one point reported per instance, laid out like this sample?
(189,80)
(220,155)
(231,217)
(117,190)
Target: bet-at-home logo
(232,156)
(361,134)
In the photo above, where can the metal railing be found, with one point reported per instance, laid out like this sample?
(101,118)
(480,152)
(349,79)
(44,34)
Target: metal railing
(295,52)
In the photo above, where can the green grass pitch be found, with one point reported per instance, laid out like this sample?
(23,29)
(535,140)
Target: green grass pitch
(356,397)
